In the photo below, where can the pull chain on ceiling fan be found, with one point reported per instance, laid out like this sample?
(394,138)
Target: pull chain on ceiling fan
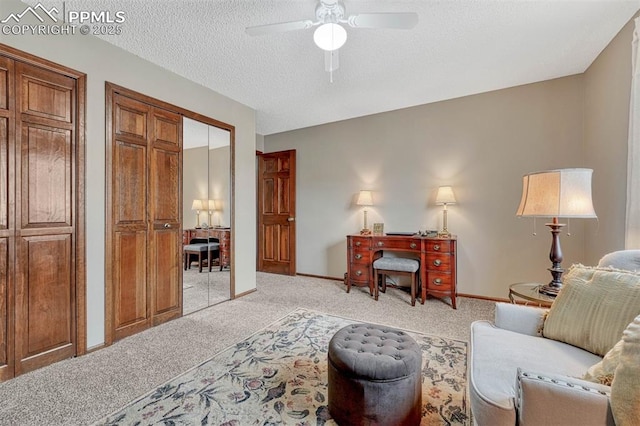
(330,34)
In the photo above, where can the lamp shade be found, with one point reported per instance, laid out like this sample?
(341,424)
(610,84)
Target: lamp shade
(330,36)
(196,205)
(212,205)
(557,193)
(365,198)
(445,196)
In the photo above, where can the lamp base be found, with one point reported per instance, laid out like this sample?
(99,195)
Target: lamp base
(444,234)
(550,290)
(365,231)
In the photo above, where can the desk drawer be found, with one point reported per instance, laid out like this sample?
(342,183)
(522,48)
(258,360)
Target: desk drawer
(359,272)
(360,242)
(360,256)
(442,246)
(438,262)
(439,281)
(408,244)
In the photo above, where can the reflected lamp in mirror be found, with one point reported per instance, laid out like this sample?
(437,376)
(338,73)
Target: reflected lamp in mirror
(365,198)
(444,198)
(197,206)
(563,193)
(212,209)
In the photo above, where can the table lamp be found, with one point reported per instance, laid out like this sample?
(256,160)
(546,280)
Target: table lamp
(197,206)
(445,197)
(212,209)
(563,193)
(365,199)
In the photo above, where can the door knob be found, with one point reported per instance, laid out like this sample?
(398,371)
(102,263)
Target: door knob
(291,219)
(167,225)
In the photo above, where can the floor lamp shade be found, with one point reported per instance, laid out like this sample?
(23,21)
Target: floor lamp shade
(564,193)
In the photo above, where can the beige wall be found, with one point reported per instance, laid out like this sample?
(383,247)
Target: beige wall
(607,86)
(482,145)
(102,62)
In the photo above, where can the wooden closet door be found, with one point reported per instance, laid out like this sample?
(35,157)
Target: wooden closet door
(131,307)
(7,226)
(165,191)
(45,309)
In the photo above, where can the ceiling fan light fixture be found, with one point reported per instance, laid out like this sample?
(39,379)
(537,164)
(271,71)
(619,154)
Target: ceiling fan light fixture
(330,36)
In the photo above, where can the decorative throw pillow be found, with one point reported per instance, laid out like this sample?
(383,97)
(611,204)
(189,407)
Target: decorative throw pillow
(593,308)
(603,371)
(625,389)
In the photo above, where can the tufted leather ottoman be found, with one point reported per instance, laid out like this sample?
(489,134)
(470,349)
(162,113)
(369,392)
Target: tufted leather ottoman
(374,376)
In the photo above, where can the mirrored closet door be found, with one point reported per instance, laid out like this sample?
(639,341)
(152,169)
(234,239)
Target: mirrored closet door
(206,215)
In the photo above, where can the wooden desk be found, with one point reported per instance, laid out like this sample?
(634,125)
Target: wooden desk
(437,261)
(222,234)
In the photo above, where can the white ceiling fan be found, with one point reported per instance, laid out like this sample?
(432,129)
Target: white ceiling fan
(330,34)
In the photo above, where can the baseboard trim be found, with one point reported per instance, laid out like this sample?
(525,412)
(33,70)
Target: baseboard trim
(324,277)
(491,299)
(95,348)
(244,293)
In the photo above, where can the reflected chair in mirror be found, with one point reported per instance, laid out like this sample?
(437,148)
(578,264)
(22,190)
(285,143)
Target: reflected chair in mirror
(214,252)
(196,251)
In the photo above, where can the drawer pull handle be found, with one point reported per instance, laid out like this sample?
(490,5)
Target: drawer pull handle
(380,243)
(437,281)
(436,247)
(358,243)
(413,245)
(437,262)
(358,256)
(358,273)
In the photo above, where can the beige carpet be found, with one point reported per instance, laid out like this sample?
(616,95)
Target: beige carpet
(203,289)
(82,390)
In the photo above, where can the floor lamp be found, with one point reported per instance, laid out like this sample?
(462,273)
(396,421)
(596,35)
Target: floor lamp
(555,194)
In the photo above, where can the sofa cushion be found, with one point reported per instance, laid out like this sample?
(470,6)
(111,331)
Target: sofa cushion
(602,372)
(625,389)
(593,308)
(496,355)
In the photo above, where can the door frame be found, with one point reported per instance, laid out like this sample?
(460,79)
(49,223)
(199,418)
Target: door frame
(110,90)
(79,182)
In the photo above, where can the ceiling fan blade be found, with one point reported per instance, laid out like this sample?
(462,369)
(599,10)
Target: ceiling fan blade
(400,20)
(279,28)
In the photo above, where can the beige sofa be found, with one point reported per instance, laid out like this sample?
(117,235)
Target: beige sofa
(526,370)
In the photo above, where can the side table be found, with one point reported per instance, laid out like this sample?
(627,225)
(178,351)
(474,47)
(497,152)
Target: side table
(529,292)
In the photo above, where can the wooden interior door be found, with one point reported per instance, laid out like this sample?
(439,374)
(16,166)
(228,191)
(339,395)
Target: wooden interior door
(128,202)
(45,210)
(144,242)
(277,212)
(7,226)
(166,195)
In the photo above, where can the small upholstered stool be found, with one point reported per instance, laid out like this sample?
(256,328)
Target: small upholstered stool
(199,250)
(374,376)
(396,266)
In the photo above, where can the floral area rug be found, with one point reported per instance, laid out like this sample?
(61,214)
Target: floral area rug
(278,376)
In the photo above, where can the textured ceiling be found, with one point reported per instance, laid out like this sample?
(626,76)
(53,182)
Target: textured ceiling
(458,48)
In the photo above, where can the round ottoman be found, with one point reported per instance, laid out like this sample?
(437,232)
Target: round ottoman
(374,376)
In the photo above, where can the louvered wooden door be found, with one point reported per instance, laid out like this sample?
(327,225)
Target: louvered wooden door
(145,202)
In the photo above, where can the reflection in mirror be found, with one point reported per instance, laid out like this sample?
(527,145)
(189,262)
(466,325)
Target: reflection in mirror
(206,215)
